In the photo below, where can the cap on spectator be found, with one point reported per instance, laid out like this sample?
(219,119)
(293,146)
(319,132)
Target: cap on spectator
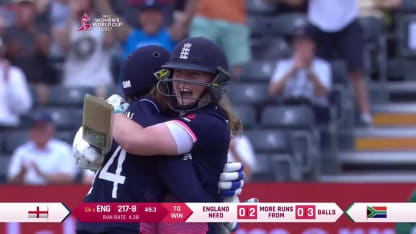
(306,31)
(150,4)
(41,117)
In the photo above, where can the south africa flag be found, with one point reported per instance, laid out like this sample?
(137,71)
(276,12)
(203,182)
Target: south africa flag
(376,212)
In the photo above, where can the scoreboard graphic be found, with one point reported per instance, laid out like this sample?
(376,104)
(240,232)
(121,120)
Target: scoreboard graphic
(208,212)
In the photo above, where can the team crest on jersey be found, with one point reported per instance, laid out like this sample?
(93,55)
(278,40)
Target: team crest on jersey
(185,51)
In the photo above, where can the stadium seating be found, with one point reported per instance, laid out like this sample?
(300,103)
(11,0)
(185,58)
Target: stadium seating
(259,26)
(395,69)
(409,69)
(264,170)
(68,97)
(408,6)
(260,7)
(339,72)
(375,38)
(403,30)
(66,136)
(66,118)
(4,165)
(275,168)
(247,115)
(294,117)
(258,71)
(248,93)
(270,141)
(15,139)
(2,141)
(286,24)
(270,48)
(285,168)
(373,27)
(300,122)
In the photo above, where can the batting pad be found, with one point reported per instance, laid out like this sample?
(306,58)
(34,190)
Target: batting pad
(97,122)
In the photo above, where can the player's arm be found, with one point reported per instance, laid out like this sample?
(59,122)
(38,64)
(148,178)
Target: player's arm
(122,32)
(150,141)
(281,75)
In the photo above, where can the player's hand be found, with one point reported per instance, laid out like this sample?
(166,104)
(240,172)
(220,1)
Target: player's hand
(231,179)
(86,156)
(118,102)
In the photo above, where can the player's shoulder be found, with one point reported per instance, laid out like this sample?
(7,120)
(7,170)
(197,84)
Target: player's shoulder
(211,113)
(24,149)
(145,102)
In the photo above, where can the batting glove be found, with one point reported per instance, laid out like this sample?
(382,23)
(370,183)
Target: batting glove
(85,155)
(118,102)
(231,179)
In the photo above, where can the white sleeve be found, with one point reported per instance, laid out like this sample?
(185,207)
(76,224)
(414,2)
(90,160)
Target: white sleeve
(281,68)
(324,74)
(181,135)
(19,98)
(15,164)
(246,151)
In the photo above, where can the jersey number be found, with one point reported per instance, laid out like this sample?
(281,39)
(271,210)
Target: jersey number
(116,178)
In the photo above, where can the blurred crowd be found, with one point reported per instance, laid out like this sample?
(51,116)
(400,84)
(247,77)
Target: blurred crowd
(48,43)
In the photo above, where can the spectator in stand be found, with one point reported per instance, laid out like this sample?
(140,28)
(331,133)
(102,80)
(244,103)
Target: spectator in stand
(43,160)
(224,22)
(152,31)
(88,51)
(289,6)
(15,97)
(182,10)
(27,44)
(304,78)
(337,28)
(58,16)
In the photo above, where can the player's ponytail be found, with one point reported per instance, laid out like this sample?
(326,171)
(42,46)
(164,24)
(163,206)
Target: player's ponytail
(161,99)
(236,127)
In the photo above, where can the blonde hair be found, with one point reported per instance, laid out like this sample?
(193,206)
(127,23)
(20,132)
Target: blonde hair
(234,122)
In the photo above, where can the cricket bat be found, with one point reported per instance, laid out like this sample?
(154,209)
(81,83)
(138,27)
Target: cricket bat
(97,123)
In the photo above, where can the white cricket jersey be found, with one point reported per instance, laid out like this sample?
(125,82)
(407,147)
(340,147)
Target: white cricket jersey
(15,98)
(55,158)
(87,62)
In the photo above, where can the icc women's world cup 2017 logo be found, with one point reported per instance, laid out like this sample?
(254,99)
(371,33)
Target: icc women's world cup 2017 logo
(85,25)
(106,23)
